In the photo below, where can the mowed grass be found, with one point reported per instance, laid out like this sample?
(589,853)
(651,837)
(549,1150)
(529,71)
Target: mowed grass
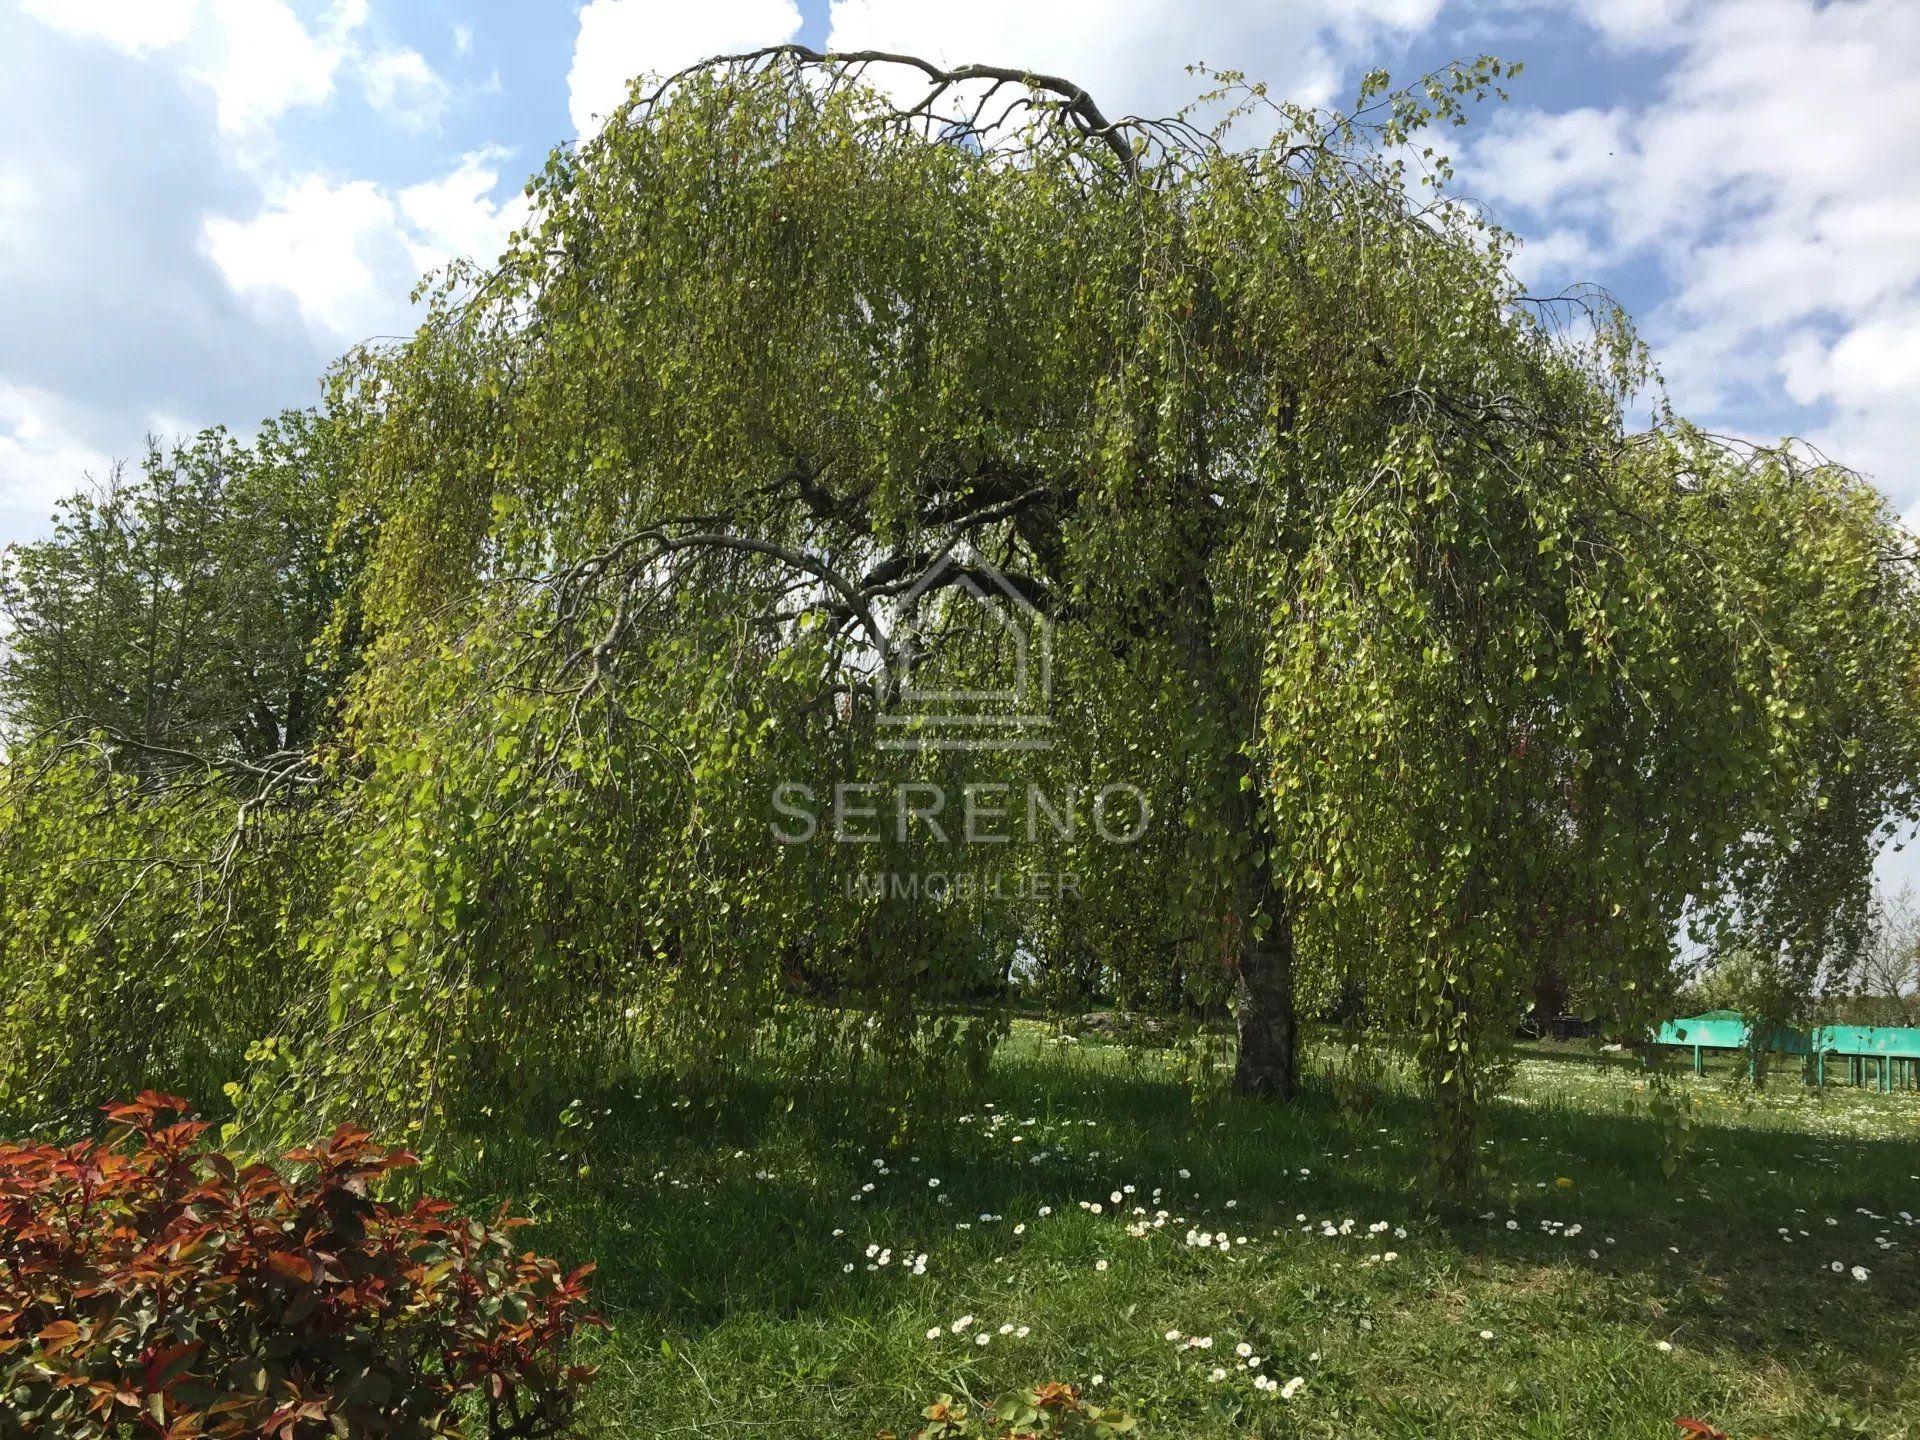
(739,1249)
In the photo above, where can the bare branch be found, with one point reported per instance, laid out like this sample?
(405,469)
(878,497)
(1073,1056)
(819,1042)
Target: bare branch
(1073,100)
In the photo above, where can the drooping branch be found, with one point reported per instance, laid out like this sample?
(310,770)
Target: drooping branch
(1071,100)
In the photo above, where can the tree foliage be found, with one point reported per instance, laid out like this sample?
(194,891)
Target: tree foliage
(179,606)
(175,652)
(148,921)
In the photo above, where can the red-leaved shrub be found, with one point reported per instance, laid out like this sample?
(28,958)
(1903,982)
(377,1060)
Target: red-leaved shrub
(149,1287)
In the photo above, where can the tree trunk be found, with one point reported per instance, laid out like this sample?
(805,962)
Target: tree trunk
(1549,988)
(1269,1059)
(1450,1065)
(1456,1124)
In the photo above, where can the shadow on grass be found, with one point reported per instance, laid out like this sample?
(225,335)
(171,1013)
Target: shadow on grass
(764,1200)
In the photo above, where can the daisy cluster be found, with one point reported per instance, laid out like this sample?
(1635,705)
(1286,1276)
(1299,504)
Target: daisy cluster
(1884,1240)
(1247,1365)
(980,1336)
(880,1257)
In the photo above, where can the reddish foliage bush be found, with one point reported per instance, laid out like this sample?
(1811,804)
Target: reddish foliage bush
(149,1287)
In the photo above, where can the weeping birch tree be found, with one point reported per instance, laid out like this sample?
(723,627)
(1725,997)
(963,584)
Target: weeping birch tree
(1349,565)
(1358,637)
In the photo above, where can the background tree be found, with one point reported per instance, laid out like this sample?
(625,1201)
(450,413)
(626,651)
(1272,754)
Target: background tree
(179,606)
(164,687)
(1887,985)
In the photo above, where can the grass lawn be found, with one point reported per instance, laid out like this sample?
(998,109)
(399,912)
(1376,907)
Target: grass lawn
(740,1258)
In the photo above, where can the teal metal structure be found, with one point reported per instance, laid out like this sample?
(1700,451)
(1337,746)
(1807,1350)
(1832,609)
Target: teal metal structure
(1890,1053)
(1892,1050)
(1723,1030)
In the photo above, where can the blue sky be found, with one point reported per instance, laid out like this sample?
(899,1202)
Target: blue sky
(203,201)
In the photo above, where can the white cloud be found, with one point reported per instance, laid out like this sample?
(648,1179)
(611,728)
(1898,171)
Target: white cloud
(1636,22)
(455,216)
(400,84)
(166,264)
(1767,185)
(1868,377)
(1558,258)
(40,460)
(118,321)
(620,39)
(326,246)
(260,61)
(132,26)
(345,254)
(1878,359)
(1567,163)
(258,57)
(462,38)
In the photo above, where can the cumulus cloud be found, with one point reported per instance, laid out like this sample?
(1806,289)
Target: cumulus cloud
(261,61)
(344,253)
(113,308)
(402,85)
(619,39)
(259,58)
(322,246)
(454,216)
(1636,22)
(1868,380)
(1761,185)
(1567,163)
(40,458)
(1131,53)
(129,25)
(1558,258)
(120,319)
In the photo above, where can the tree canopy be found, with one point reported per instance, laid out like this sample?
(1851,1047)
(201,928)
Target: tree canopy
(179,607)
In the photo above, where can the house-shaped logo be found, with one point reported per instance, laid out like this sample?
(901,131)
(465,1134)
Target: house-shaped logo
(1010,715)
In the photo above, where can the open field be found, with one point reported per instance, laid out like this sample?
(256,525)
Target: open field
(774,1271)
